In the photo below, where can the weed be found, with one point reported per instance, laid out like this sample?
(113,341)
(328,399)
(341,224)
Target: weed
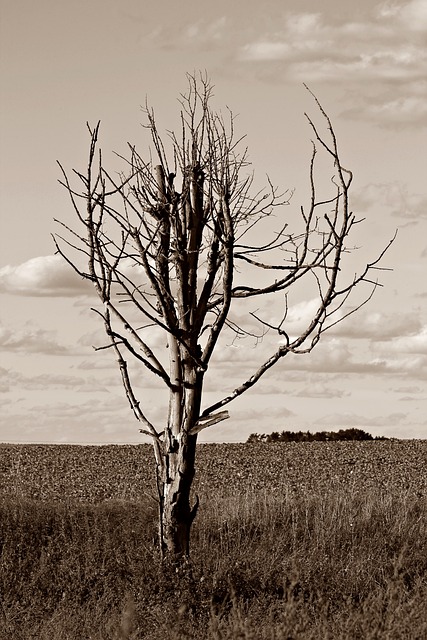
(266,565)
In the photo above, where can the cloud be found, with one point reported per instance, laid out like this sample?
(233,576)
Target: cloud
(331,356)
(403,358)
(413,14)
(371,343)
(42,276)
(320,390)
(90,421)
(391,65)
(412,344)
(408,389)
(378,47)
(243,421)
(400,365)
(384,53)
(394,196)
(11,380)
(388,111)
(207,31)
(262,51)
(96,364)
(362,421)
(203,35)
(57,381)
(30,340)
(300,315)
(8,379)
(378,325)
(371,325)
(256,414)
(141,378)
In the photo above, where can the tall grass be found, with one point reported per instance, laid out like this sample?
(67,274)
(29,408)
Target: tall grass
(264,566)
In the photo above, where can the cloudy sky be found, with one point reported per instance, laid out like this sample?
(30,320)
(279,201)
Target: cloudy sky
(64,63)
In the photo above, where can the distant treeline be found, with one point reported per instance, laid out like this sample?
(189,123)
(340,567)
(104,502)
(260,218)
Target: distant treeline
(306,436)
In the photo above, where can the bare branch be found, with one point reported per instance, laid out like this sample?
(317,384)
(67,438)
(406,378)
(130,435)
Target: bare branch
(173,240)
(208,421)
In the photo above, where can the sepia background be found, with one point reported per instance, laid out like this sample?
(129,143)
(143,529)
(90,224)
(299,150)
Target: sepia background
(64,63)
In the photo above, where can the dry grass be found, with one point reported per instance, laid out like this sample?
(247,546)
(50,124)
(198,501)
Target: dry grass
(266,564)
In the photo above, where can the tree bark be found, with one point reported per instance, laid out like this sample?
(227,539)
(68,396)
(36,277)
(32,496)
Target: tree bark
(185,245)
(177,515)
(178,465)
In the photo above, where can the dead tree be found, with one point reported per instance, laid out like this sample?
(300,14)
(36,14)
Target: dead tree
(162,243)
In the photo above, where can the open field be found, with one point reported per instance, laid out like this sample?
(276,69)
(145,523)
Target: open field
(95,474)
(298,540)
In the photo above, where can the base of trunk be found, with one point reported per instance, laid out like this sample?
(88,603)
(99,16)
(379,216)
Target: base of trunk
(175,527)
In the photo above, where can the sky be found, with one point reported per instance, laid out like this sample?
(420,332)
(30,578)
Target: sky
(65,63)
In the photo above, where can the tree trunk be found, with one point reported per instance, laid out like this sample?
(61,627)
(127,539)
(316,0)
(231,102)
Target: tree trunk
(176,472)
(177,515)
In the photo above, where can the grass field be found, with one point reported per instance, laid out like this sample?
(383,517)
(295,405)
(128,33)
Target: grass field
(299,540)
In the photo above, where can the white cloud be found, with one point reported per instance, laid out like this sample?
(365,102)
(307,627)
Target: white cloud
(203,35)
(265,51)
(387,344)
(402,357)
(330,356)
(378,325)
(401,63)
(303,23)
(412,14)
(371,325)
(42,276)
(69,414)
(7,380)
(96,364)
(206,31)
(301,314)
(401,365)
(94,338)
(51,276)
(408,389)
(395,196)
(356,420)
(388,111)
(414,344)
(321,390)
(383,57)
(255,414)
(30,340)
(80,384)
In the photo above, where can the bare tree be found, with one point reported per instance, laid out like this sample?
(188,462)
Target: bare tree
(162,243)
